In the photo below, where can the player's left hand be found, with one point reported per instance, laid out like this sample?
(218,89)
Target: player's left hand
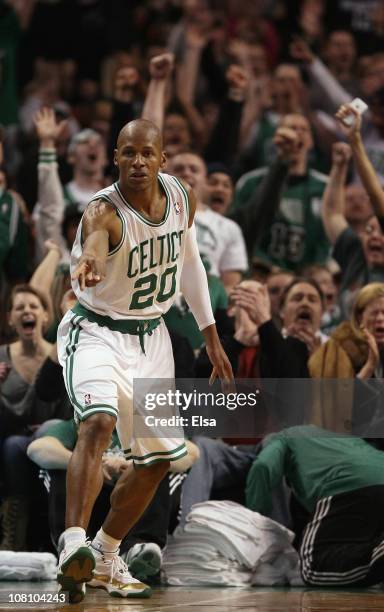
(221,367)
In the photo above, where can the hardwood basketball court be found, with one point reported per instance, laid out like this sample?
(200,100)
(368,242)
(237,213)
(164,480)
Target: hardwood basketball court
(197,599)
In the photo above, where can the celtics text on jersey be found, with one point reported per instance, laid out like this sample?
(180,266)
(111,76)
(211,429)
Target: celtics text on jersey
(143,270)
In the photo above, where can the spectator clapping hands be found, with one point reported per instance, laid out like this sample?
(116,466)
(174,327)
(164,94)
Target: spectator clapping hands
(306,335)
(113,467)
(254,299)
(373,359)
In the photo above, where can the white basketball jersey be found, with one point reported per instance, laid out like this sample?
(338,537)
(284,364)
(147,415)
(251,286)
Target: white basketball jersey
(143,270)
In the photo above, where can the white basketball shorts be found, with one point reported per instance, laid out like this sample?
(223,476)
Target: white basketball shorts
(99,366)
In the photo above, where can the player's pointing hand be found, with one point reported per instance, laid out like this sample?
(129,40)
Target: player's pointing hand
(89,271)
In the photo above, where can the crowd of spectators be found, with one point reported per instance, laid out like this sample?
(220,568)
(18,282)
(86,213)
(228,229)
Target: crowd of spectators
(251,98)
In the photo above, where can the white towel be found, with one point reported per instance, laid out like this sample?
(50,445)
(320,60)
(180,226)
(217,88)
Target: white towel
(27,566)
(226,544)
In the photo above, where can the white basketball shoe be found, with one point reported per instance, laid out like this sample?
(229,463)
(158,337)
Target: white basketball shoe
(111,574)
(76,565)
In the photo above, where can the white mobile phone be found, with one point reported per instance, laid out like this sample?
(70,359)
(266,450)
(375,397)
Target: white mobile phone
(359,106)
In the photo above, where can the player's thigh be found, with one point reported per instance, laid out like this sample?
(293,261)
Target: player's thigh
(89,368)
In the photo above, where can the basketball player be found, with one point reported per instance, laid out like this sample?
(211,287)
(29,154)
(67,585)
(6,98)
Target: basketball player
(135,247)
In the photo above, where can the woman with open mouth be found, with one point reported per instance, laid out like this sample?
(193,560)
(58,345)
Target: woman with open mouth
(20,410)
(354,353)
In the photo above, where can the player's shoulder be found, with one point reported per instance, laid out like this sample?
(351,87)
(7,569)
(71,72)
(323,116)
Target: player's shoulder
(107,193)
(103,201)
(174,181)
(177,187)
(251,176)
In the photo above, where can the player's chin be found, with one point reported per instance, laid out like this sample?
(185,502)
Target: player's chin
(136,183)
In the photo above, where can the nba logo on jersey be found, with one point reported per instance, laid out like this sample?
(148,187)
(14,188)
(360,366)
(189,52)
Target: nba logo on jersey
(177,207)
(87,399)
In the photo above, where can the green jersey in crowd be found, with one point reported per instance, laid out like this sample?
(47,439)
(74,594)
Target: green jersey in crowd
(296,236)
(66,433)
(13,239)
(262,150)
(317,464)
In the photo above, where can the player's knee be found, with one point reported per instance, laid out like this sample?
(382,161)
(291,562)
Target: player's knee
(96,431)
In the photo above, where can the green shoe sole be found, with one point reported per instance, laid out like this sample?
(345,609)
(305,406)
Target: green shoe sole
(74,572)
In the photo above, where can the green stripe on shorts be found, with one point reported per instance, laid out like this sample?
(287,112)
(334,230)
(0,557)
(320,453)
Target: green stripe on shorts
(171,455)
(81,411)
(96,409)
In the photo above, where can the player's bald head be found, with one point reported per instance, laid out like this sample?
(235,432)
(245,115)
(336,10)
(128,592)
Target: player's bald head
(140,129)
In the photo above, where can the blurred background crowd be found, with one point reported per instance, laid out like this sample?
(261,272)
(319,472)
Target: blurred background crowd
(251,98)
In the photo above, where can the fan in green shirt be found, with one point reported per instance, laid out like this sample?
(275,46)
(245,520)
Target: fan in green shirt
(66,433)
(287,230)
(317,463)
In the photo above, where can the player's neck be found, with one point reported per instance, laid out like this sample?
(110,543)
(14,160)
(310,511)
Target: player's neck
(145,200)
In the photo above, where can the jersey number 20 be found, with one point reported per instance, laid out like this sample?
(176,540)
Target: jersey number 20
(148,285)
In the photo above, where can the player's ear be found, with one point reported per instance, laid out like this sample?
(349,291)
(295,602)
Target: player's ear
(163,161)
(115,157)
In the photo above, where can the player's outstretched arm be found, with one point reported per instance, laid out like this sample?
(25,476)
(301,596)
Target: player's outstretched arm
(101,228)
(194,286)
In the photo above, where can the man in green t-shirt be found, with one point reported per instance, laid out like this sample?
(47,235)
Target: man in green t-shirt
(285,202)
(339,480)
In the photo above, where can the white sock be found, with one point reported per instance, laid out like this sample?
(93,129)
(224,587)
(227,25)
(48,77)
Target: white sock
(105,542)
(74,535)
